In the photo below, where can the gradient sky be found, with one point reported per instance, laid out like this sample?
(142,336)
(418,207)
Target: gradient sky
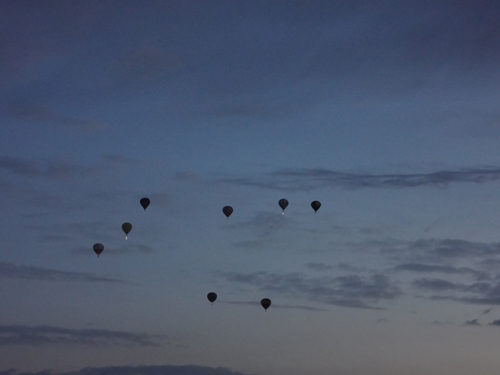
(388,112)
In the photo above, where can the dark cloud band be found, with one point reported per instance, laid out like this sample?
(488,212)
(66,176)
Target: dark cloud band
(306,179)
(13,271)
(49,335)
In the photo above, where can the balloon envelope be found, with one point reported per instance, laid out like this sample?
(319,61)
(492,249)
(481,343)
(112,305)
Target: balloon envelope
(98,248)
(316,205)
(265,302)
(283,203)
(127,227)
(228,210)
(145,203)
(212,297)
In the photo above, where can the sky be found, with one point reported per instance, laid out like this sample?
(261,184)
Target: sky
(387,112)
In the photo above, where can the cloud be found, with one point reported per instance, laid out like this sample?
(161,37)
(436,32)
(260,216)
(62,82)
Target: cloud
(472,322)
(455,248)
(137,249)
(275,306)
(423,254)
(437,323)
(263,222)
(49,335)
(479,293)
(437,285)
(429,268)
(349,291)
(12,271)
(264,225)
(54,170)
(42,114)
(319,266)
(134,370)
(306,179)
(495,323)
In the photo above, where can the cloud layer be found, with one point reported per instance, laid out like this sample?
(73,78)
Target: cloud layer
(349,290)
(307,179)
(49,335)
(135,370)
(13,271)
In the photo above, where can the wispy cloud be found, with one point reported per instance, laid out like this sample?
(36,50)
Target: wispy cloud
(432,268)
(305,179)
(437,285)
(439,255)
(264,226)
(350,291)
(129,249)
(276,306)
(55,170)
(479,293)
(43,114)
(13,271)
(455,248)
(134,370)
(487,311)
(319,266)
(49,335)
(472,322)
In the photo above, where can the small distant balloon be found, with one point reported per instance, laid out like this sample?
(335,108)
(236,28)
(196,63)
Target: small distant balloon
(212,297)
(127,227)
(98,248)
(265,302)
(283,204)
(228,210)
(315,205)
(145,203)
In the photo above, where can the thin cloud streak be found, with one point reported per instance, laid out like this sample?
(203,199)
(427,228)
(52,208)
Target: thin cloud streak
(424,255)
(472,322)
(13,271)
(276,306)
(349,291)
(59,170)
(42,114)
(306,179)
(319,266)
(49,335)
(480,293)
(134,370)
(430,268)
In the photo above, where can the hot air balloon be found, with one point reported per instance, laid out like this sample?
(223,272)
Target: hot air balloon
(283,204)
(265,302)
(127,227)
(98,248)
(228,210)
(316,205)
(145,203)
(212,297)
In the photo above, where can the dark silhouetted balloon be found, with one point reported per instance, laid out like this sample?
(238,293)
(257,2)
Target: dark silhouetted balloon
(228,210)
(212,297)
(98,248)
(265,302)
(145,203)
(283,204)
(316,205)
(127,227)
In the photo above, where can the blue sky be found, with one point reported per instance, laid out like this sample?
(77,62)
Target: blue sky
(386,112)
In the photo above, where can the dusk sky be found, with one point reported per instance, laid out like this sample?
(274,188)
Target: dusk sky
(387,112)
